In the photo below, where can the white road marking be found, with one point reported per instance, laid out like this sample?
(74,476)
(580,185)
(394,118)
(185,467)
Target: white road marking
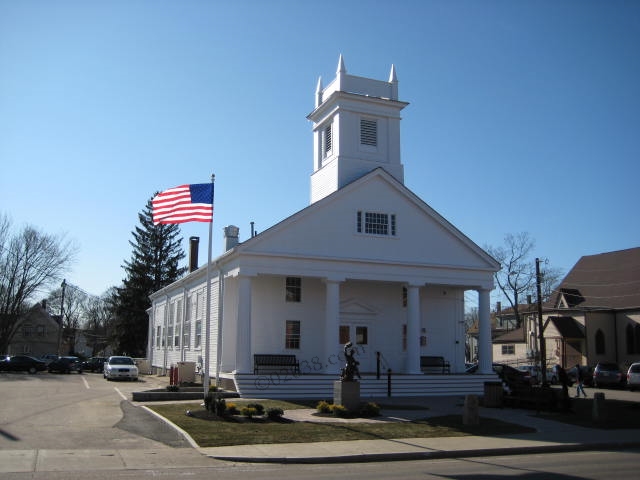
(86,384)
(120,393)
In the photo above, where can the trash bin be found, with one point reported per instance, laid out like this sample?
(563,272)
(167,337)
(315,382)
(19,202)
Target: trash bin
(493,394)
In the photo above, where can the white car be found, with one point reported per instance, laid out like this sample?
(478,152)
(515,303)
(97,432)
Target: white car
(633,376)
(120,367)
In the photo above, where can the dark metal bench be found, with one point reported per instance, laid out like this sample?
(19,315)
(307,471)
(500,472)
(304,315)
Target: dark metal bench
(432,364)
(262,361)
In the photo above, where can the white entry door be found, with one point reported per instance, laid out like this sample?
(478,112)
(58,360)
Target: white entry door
(358,334)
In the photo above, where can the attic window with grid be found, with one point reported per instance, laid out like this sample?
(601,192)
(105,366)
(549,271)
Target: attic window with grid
(374,223)
(326,141)
(368,132)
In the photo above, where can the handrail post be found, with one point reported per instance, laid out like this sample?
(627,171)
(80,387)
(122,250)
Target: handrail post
(389,383)
(377,365)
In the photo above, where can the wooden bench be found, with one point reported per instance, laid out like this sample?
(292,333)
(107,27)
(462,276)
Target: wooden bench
(431,364)
(264,361)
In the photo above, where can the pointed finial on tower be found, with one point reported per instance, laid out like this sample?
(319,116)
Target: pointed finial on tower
(341,67)
(392,75)
(393,80)
(319,92)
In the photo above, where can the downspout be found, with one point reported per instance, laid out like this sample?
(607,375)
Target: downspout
(615,334)
(164,335)
(184,317)
(220,316)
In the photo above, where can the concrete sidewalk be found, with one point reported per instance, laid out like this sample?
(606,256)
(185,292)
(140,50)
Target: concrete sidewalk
(550,436)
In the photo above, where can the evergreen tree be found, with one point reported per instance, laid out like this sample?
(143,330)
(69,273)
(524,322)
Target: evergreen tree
(154,263)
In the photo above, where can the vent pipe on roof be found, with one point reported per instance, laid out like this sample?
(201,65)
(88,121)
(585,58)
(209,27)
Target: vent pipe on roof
(231,237)
(194,243)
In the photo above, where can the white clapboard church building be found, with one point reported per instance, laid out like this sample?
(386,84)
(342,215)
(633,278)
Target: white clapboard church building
(367,262)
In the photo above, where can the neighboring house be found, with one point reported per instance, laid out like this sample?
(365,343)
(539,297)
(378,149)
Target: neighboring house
(367,262)
(594,316)
(36,333)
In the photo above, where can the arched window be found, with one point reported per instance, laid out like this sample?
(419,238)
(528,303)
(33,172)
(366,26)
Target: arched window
(600,343)
(631,341)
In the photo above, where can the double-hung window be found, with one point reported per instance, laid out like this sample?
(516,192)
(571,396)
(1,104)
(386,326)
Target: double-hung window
(293,289)
(292,334)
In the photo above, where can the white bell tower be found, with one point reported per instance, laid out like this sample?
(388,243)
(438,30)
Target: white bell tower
(356,129)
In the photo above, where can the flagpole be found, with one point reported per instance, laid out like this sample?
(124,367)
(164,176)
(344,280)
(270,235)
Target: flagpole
(205,380)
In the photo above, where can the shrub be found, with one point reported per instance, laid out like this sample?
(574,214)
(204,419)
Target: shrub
(369,409)
(213,388)
(259,408)
(248,412)
(217,407)
(324,407)
(340,411)
(232,409)
(275,413)
(173,388)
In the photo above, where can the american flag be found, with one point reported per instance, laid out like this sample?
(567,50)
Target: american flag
(186,203)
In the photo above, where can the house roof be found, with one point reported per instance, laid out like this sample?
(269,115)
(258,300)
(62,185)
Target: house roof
(511,336)
(608,280)
(567,327)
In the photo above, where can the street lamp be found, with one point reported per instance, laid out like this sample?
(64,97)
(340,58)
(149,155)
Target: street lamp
(64,285)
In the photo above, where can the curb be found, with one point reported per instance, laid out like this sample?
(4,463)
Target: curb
(436,455)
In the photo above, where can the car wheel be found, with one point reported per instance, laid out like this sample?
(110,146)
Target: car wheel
(32,370)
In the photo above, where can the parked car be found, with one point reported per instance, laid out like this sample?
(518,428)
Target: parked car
(94,364)
(608,374)
(532,373)
(65,365)
(120,367)
(48,358)
(633,376)
(22,363)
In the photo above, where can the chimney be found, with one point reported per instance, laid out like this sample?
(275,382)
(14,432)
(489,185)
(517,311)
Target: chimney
(194,242)
(230,237)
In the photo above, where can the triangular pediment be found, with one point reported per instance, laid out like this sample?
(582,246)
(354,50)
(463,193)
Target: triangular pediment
(328,231)
(355,307)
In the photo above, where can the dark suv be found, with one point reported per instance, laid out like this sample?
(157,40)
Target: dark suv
(607,374)
(65,365)
(94,364)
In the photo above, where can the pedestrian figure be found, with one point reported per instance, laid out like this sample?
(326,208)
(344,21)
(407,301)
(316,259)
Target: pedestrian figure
(563,378)
(580,382)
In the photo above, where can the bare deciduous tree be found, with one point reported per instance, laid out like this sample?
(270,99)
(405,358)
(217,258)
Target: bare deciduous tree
(517,277)
(30,262)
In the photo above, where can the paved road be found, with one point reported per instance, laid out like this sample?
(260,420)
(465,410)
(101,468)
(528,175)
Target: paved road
(46,411)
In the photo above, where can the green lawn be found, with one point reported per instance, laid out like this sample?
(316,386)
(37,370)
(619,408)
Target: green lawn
(210,431)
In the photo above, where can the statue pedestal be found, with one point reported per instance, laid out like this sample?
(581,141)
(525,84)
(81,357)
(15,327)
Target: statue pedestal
(347,394)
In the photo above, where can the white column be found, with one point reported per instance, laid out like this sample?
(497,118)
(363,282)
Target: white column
(485,352)
(332,322)
(243,339)
(413,329)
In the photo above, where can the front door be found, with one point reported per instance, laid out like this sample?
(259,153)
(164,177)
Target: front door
(358,335)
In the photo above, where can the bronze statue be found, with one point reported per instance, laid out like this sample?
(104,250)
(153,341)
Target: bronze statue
(351,368)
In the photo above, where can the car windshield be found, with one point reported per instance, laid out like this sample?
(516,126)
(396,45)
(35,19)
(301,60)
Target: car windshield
(121,361)
(608,366)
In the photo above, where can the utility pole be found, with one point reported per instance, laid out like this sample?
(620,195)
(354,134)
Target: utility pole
(543,347)
(64,284)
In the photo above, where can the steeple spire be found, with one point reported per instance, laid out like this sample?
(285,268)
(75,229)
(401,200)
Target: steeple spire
(393,80)
(319,92)
(341,72)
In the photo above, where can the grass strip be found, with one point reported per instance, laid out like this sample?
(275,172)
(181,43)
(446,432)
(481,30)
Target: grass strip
(210,431)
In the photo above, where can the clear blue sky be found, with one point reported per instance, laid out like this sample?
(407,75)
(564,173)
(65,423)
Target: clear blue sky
(523,116)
